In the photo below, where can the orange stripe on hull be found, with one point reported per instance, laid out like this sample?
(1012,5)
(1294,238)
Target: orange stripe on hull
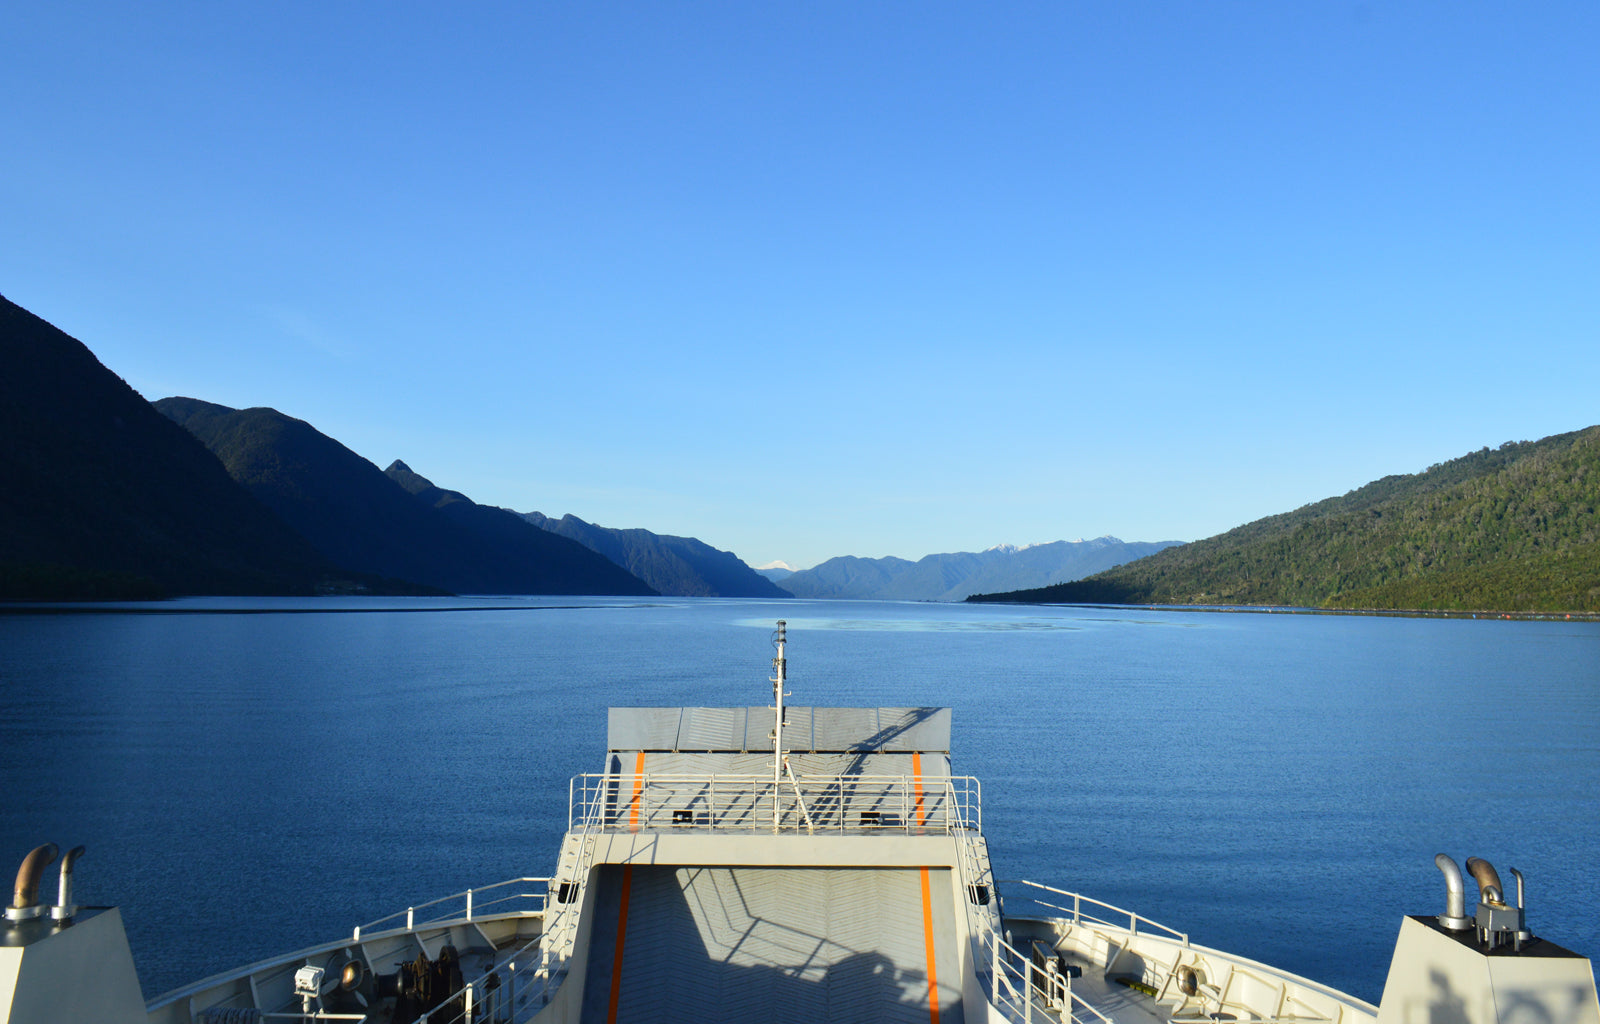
(638,787)
(622,938)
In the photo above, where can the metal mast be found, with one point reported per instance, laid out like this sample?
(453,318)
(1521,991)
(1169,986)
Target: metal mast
(777,728)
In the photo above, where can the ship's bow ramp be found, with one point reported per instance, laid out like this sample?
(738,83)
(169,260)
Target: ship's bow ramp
(718,893)
(772,944)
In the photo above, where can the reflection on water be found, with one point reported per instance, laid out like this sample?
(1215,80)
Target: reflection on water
(914,625)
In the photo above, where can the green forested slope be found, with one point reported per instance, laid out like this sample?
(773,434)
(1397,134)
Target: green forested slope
(1513,528)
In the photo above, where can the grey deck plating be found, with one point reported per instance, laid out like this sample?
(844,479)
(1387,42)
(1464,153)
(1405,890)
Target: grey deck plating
(772,944)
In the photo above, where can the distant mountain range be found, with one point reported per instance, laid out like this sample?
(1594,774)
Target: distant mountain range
(108,496)
(105,498)
(954,576)
(1507,529)
(777,572)
(680,566)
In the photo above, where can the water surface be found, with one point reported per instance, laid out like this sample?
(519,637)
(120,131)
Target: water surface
(253,776)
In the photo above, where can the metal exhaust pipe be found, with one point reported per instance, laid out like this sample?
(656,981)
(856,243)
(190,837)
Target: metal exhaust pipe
(64,910)
(1489,888)
(1523,935)
(1455,906)
(25,897)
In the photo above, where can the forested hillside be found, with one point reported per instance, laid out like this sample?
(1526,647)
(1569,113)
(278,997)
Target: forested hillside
(1512,529)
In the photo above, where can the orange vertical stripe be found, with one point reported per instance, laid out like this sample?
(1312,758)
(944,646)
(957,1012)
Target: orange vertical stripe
(622,936)
(916,771)
(927,935)
(638,787)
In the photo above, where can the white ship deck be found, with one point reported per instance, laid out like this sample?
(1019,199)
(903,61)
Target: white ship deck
(705,878)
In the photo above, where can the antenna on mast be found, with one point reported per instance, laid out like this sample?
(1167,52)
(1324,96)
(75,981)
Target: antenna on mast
(780,757)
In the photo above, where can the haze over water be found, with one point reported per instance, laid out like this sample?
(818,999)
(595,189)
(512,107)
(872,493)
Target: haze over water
(261,775)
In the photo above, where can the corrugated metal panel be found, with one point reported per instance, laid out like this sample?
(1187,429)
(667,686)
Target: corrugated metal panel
(925,729)
(750,729)
(642,728)
(712,729)
(772,944)
(846,729)
(758,729)
(804,764)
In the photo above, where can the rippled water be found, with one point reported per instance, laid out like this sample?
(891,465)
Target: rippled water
(255,776)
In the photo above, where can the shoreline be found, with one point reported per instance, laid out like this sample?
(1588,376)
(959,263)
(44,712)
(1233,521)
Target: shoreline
(1265,609)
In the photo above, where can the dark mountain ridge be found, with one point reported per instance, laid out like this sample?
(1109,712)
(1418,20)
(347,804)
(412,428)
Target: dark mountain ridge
(680,566)
(106,498)
(510,532)
(358,518)
(1508,529)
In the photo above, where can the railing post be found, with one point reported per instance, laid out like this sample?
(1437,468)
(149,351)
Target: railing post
(1027,993)
(469,904)
(466,1014)
(356,936)
(411,918)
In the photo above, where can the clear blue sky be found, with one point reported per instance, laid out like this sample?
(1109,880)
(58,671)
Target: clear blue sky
(817,279)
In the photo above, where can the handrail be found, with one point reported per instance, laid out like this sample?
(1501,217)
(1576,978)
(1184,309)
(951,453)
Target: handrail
(561,937)
(1134,920)
(471,905)
(1012,987)
(617,801)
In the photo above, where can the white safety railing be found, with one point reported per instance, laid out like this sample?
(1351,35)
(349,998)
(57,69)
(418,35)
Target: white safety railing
(841,803)
(561,933)
(1022,989)
(490,900)
(1082,909)
(522,975)
(1025,992)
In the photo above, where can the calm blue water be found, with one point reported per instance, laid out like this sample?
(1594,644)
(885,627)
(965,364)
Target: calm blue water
(1276,785)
